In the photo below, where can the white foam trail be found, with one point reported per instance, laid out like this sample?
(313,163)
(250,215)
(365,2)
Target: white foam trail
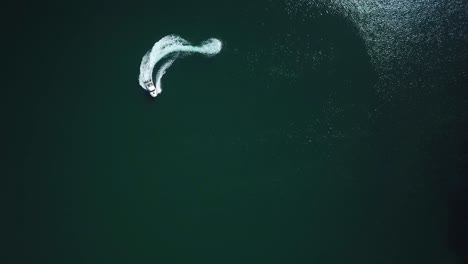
(170,45)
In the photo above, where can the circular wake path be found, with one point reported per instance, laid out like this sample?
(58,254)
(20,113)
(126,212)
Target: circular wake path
(171,47)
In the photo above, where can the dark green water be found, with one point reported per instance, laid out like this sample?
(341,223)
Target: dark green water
(288,147)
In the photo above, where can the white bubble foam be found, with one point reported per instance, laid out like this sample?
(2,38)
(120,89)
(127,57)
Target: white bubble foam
(171,46)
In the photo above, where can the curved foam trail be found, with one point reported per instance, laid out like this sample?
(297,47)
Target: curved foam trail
(170,45)
(161,73)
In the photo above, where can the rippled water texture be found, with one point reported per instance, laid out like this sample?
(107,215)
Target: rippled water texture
(404,38)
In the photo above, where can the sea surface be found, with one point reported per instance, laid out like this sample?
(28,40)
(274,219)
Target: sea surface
(323,132)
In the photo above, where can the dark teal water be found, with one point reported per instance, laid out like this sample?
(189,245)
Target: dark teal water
(306,140)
